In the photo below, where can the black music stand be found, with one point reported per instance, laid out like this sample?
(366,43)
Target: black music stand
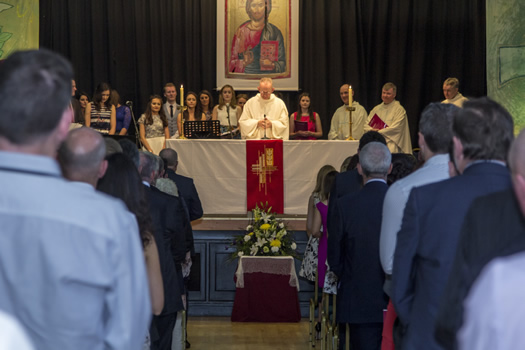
(202,129)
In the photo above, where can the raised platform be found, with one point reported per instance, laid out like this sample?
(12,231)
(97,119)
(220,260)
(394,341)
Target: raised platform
(212,287)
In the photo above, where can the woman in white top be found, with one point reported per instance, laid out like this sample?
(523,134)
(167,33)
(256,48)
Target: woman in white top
(227,107)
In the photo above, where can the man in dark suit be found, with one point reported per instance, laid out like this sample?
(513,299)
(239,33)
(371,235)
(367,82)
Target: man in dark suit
(494,227)
(184,184)
(169,221)
(434,214)
(360,296)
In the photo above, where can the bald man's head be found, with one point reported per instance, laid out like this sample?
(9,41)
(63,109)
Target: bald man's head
(81,156)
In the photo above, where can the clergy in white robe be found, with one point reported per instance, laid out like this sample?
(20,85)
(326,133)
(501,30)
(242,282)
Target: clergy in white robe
(253,123)
(452,94)
(340,127)
(391,112)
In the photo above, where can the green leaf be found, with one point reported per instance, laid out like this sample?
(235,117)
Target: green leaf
(5,36)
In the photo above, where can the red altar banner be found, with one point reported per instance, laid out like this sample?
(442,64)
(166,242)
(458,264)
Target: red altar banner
(264,174)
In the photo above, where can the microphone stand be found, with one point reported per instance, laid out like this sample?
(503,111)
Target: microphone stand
(138,142)
(265,138)
(229,122)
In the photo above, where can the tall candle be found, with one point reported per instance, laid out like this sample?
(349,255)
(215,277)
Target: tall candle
(182,96)
(350,97)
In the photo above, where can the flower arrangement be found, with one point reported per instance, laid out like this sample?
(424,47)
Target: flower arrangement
(266,236)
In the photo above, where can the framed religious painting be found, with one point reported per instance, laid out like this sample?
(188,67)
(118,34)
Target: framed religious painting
(255,39)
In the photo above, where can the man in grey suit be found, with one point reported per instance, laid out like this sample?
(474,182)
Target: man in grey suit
(434,214)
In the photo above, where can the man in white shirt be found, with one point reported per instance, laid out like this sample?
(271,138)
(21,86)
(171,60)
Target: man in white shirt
(494,312)
(394,116)
(435,135)
(452,94)
(171,109)
(340,127)
(72,263)
(264,115)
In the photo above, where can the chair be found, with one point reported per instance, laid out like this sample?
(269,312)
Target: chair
(314,303)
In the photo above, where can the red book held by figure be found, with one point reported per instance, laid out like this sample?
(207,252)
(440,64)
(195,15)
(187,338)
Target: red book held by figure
(300,126)
(377,123)
(270,51)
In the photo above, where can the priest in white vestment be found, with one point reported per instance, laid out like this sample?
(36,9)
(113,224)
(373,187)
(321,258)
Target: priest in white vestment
(452,94)
(340,127)
(264,114)
(392,114)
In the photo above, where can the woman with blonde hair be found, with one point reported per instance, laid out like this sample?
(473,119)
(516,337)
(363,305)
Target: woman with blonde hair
(227,111)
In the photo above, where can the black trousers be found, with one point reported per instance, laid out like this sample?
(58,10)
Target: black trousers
(164,325)
(363,336)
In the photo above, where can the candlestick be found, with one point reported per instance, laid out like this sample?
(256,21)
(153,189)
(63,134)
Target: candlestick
(182,96)
(350,97)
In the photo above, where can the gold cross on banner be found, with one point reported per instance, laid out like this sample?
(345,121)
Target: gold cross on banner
(264,167)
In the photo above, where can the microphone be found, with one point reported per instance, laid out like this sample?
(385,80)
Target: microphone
(129,103)
(229,122)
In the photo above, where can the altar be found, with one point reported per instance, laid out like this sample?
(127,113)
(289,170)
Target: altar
(267,290)
(218,168)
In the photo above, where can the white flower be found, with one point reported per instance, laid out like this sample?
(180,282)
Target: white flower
(249,228)
(247,238)
(294,246)
(260,242)
(253,250)
(275,249)
(239,254)
(265,217)
(281,225)
(283,233)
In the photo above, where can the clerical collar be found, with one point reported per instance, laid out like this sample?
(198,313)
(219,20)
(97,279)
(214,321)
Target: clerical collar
(375,180)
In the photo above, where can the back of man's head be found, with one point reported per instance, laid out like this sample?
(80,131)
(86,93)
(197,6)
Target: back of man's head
(371,136)
(81,156)
(35,90)
(436,126)
(485,129)
(112,146)
(148,166)
(170,158)
(375,159)
(131,150)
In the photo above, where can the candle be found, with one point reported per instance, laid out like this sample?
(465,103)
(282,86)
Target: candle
(350,97)
(182,96)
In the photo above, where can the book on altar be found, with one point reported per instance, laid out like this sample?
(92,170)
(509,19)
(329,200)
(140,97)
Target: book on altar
(269,51)
(300,126)
(377,123)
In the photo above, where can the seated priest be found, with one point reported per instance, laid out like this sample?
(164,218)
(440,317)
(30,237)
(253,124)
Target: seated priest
(265,115)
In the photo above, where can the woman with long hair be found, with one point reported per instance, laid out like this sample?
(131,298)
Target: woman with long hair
(192,112)
(153,123)
(227,111)
(83,100)
(206,103)
(100,115)
(316,223)
(305,124)
(123,181)
(241,100)
(123,113)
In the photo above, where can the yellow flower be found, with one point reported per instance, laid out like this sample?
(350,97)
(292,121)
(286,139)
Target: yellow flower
(265,226)
(250,234)
(275,243)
